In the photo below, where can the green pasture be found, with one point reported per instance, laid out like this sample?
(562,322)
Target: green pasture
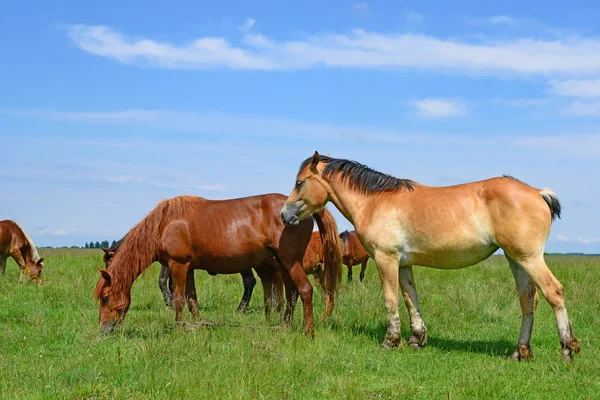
(51,348)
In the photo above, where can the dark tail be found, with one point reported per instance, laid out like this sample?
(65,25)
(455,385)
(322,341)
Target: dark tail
(552,200)
(332,256)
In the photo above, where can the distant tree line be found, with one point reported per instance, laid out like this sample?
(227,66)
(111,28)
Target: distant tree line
(98,245)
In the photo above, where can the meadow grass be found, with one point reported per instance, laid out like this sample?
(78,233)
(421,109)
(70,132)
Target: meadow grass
(50,346)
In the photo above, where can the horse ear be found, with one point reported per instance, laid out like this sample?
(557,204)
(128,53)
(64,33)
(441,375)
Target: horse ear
(40,261)
(316,158)
(105,275)
(106,251)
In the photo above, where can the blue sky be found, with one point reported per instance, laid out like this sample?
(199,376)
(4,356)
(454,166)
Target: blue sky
(106,109)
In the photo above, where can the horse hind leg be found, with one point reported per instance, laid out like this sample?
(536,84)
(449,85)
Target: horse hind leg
(179,273)
(363,268)
(3,265)
(551,288)
(266,278)
(192,300)
(165,278)
(249,282)
(418,336)
(528,299)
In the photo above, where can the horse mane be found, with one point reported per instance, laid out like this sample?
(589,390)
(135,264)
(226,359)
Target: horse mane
(35,257)
(139,248)
(361,178)
(513,178)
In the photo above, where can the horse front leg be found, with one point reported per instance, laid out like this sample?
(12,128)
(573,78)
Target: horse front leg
(179,273)
(387,264)
(22,266)
(418,337)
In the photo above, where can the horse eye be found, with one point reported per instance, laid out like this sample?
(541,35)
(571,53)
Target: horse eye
(299,183)
(105,299)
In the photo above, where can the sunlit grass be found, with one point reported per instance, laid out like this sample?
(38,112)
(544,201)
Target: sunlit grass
(50,346)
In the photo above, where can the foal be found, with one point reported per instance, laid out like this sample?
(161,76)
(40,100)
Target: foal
(353,253)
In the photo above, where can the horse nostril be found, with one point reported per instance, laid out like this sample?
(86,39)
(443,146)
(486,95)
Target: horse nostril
(282,216)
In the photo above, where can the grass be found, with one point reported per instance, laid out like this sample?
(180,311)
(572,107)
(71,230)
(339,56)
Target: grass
(50,346)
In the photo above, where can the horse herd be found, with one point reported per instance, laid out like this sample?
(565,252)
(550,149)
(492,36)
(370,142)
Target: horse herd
(398,222)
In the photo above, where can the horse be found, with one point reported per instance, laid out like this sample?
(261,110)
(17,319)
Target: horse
(353,253)
(165,280)
(219,236)
(16,243)
(402,223)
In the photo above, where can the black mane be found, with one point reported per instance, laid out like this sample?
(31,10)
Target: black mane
(360,177)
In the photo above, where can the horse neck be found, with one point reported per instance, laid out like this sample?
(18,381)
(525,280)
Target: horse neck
(350,203)
(32,254)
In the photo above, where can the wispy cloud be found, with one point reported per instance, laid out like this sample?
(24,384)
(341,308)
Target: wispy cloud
(502,20)
(56,232)
(362,6)
(358,49)
(436,108)
(581,109)
(247,25)
(520,102)
(571,145)
(162,184)
(562,238)
(413,17)
(588,240)
(585,88)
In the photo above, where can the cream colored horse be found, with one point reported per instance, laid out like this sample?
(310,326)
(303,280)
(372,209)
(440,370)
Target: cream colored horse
(402,223)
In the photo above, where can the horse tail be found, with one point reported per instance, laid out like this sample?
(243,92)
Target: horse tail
(138,250)
(552,200)
(332,256)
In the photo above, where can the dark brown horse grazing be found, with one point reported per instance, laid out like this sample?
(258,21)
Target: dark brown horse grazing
(220,236)
(15,243)
(403,223)
(165,280)
(353,253)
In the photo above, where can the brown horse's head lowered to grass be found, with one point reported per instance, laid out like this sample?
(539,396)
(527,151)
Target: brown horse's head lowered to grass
(402,223)
(221,237)
(16,243)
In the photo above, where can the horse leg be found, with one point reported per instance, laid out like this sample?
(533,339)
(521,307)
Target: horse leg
(538,271)
(22,266)
(291,296)
(190,293)
(179,273)
(249,283)
(163,278)
(2,265)
(528,298)
(350,271)
(305,290)
(407,284)
(363,268)
(278,288)
(387,264)
(266,278)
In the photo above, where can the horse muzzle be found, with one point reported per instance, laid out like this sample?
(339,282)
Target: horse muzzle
(289,215)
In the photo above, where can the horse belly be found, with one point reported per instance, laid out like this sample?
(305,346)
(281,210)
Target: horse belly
(449,258)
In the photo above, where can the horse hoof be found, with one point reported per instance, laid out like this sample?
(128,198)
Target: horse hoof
(389,344)
(575,345)
(522,352)
(567,356)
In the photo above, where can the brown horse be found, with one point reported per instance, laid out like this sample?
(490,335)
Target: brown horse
(402,223)
(353,253)
(165,281)
(220,236)
(15,243)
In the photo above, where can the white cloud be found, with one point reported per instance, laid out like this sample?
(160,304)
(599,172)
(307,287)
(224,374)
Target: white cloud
(586,88)
(362,6)
(56,232)
(162,184)
(521,103)
(502,20)
(562,238)
(583,109)
(414,17)
(247,25)
(358,49)
(588,240)
(436,108)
